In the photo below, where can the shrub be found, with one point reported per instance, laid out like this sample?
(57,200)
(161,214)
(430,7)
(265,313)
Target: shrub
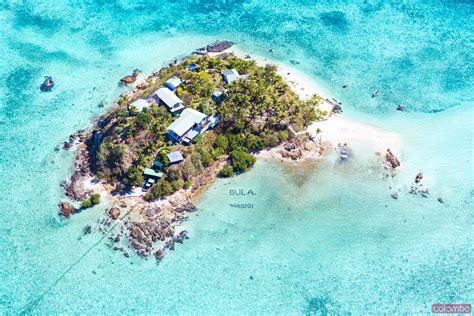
(206,157)
(188,184)
(162,188)
(95,198)
(143,119)
(197,139)
(216,153)
(133,177)
(221,142)
(226,171)
(241,160)
(86,204)
(282,135)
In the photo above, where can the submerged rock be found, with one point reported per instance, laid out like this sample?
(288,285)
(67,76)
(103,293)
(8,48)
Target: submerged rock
(160,254)
(47,84)
(181,236)
(400,107)
(87,230)
(418,177)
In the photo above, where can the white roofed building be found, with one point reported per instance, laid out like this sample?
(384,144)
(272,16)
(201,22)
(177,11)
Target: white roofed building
(190,124)
(230,75)
(139,104)
(166,96)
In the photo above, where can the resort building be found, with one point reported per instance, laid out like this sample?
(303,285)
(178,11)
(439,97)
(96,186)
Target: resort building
(139,104)
(175,157)
(217,96)
(173,83)
(173,103)
(230,75)
(188,126)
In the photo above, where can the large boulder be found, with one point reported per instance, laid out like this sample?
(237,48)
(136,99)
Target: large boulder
(392,160)
(127,80)
(76,189)
(137,233)
(114,213)
(66,209)
(219,46)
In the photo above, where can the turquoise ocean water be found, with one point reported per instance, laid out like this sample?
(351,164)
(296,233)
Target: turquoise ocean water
(322,237)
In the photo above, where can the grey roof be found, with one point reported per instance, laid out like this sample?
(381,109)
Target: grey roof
(230,75)
(140,104)
(168,97)
(195,115)
(181,125)
(175,156)
(192,134)
(186,121)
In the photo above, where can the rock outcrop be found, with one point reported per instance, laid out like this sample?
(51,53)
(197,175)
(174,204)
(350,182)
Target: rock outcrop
(129,79)
(391,160)
(297,149)
(219,46)
(114,213)
(418,177)
(144,234)
(66,209)
(186,207)
(75,188)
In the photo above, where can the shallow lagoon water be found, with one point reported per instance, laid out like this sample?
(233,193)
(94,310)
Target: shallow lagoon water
(323,237)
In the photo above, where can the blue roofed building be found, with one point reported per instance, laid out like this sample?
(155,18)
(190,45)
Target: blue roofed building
(217,96)
(173,83)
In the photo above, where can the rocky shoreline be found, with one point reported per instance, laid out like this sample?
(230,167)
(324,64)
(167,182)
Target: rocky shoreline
(136,225)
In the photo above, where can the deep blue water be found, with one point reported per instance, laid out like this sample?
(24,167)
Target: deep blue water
(333,240)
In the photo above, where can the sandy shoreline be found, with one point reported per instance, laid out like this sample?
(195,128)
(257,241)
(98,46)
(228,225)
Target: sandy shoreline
(336,129)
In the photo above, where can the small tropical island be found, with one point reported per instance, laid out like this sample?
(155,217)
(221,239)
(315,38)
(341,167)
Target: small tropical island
(161,144)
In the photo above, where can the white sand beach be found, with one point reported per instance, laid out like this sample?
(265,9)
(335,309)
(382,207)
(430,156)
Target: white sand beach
(336,129)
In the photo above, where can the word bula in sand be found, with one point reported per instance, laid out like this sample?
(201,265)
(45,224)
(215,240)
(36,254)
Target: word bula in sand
(241,192)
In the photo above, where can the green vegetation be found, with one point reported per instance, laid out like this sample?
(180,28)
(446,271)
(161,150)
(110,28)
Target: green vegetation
(241,159)
(86,204)
(94,199)
(255,114)
(226,171)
